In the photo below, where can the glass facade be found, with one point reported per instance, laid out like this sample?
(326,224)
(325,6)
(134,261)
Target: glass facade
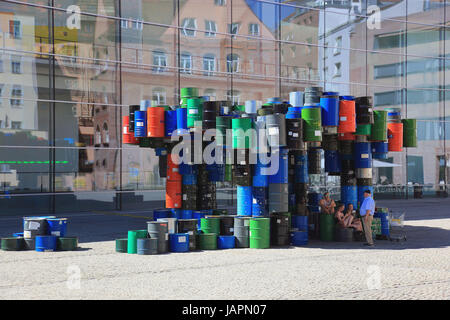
(70,69)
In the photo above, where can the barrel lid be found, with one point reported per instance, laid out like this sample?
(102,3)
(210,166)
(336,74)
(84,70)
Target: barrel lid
(313,89)
(315,105)
(364,100)
(347,98)
(330,93)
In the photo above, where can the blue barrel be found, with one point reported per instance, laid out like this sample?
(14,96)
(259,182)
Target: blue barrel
(184,168)
(216,172)
(175,213)
(314,198)
(260,205)
(296,99)
(380,150)
(225,242)
(349,194)
(244,201)
(198,214)
(294,113)
(140,124)
(300,223)
(363,155)
(332,162)
(301,169)
(181,120)
(361,190)
(57,226)
(18,235)
(179,242)
(161,213)
(314,209)
(274,100)
(260,179)
(283,167)
(189,179)
(384,217)
(46,243)
(292,198)
(330,109)
(170,124)
(186,214)
(299,238)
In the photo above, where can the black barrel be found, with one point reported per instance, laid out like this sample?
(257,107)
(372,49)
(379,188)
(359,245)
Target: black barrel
(242,174)
(348,179)
(34,226)
(264,111)
(280,108)
(132,109)
(301,193)
(162,167)
(347,166)
(30,244)
(67,243)
(314,161)
(280,225)
(364,110)
(227,225)
(343,234)
(242,231)
(159,230)
(12,244)
(147,246)
(206,196)
(364,182)
(189,226)
(203,175)
(189,201)
(294,129)
(312,95)
(346,147)
(330,142)
(211,110)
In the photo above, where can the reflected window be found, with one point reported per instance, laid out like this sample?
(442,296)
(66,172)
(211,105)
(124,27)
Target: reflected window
(209,64)
(17,94)
(1,64)
(338,46)
(325,51)
(105,134)
(159,96)
(234,96)
(253,29)
(233,29)
(16,125)
(337,70)
(220,2)
(189,26)
(210,93)
(159,61)
(16,64)
(232,63)
(1,93)
(98,136)
(211,28)
(186,63)
(15,29)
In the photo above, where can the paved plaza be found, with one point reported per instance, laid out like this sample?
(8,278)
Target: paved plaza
(416,269)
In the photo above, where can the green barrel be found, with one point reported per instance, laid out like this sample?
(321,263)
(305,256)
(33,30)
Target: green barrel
(122,245)
(379,127)
(194,111)
(144,142)
(228,173)
(363,130)
(312,127)
(259,233)
(240,108)
(189,92)
(133,235)
(67,243)
(220,212)
(210,225)
(207,241)
(326,225)
(13,244)
(222,124)
(409,133)
(239,129)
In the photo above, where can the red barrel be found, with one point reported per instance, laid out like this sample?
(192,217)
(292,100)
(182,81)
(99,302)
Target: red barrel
(173,173)
(395,137)
(347,116)
(155,122)
(127,136)
(346,136)
(173,194)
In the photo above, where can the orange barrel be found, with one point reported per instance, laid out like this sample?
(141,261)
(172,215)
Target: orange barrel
(173,194)
(347,116)
(395,136)
(346,136)
(155,122)
(127,136)
(173,173)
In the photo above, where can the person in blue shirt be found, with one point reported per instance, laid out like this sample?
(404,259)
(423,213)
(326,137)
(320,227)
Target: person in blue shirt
(366,212)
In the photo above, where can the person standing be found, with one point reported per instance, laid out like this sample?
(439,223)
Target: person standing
(366,212)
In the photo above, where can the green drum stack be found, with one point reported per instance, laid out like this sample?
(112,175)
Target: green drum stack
(207,241)
(210,225)
(241,138)
(223,123)
(312,128)
(409,133)
(326,225)
(133,235)
(194,111)
(379,128)
(363,130)
(187,93)
(259,233)
(122,245)
(12,244)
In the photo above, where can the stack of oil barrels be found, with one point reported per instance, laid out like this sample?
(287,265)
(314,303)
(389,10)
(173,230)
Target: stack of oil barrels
(43,234)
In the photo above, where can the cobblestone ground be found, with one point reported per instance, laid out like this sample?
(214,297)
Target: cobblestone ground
(416,269)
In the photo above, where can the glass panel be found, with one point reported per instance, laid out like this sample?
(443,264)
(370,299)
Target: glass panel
(428,12)
(389,37)
(100,7)
(344,29)
(385,70)
(140,170)
(425,40)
